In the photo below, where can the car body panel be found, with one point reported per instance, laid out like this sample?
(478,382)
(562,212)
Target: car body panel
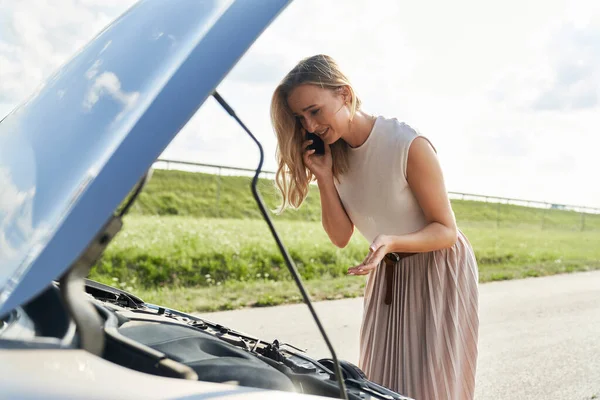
(77,374)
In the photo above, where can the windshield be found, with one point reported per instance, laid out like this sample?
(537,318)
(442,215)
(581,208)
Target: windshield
(58,140)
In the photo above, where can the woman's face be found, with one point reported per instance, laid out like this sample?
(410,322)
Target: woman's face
(321,110)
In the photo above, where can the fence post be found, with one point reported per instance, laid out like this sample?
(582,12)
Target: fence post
(582,221)
(218,189)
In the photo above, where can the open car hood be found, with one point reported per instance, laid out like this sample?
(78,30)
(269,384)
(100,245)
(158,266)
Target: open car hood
(71,153)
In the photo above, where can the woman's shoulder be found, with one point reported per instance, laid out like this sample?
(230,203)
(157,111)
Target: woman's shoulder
(396,130)
(398,137)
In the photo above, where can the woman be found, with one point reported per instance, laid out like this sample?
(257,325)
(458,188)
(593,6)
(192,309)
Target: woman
(420,323)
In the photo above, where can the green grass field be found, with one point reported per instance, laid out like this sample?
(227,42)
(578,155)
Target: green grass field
(158,251)
(174,250)
(195,195)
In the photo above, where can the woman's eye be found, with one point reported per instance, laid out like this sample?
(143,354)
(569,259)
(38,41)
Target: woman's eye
(315,112)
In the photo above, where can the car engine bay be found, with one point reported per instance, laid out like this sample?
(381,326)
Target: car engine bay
(163,342)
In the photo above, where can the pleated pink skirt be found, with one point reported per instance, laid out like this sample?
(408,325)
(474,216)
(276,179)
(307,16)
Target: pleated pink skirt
(424,344)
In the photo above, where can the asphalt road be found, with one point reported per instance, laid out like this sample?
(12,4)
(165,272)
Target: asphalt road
(539,338)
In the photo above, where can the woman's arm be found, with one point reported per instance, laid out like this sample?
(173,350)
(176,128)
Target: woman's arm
(425,178)
(334,218)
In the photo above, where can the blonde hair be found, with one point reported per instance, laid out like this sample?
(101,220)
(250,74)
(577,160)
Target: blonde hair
(292,177)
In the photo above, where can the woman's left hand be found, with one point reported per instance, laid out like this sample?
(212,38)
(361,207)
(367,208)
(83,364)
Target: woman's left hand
(377,250)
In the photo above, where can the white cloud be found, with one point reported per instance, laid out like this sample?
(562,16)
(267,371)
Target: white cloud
(20,240)
(108,83)
(11,197)
(565,76)
(37,36)
(15,217)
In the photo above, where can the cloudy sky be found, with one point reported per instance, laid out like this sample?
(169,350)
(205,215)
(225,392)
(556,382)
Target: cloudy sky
(509,92)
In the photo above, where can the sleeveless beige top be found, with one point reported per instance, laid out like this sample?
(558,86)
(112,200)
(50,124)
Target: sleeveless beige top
(374,191)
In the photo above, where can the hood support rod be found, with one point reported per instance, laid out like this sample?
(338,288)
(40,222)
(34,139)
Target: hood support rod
(288,260)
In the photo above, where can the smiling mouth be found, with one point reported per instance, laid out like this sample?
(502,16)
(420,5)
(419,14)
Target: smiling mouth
(322,133)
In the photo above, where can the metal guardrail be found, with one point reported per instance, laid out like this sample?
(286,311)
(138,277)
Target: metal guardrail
(222,170)
(526,203)
(168,164)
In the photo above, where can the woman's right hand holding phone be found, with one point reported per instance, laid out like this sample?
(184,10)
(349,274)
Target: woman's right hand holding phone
(321,165)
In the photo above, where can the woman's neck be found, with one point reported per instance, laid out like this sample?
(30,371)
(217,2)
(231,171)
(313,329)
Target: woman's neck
(360,128)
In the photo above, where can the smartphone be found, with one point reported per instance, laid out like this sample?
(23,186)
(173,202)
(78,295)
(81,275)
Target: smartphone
(318,145)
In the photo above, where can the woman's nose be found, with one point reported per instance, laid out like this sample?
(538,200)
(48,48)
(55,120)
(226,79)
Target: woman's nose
(310,125)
